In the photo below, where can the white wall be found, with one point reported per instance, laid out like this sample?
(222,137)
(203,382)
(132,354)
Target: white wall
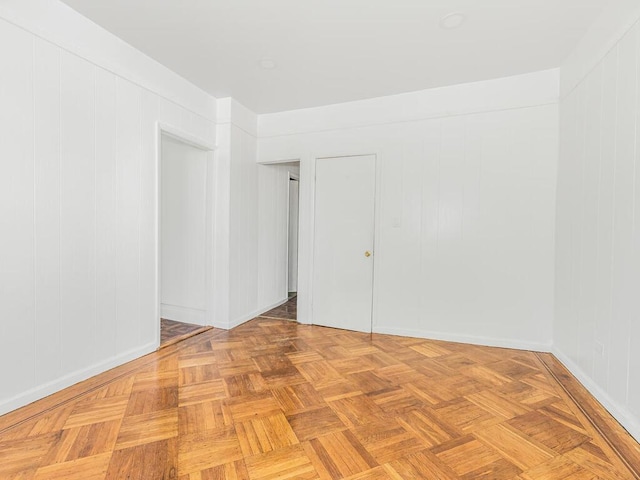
(465,204)
(257,263)
(597,327)
(78,196)
(465,219)
(184,225)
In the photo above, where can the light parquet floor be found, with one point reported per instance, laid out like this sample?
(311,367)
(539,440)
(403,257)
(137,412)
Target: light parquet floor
(272,399)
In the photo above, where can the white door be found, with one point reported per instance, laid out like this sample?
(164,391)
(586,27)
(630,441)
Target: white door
(343,243)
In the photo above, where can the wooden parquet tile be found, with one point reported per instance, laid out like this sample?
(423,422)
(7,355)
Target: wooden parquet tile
(422,464)
(285,463)
(272,399)
(340,455)
(145,461)
(206,449)
(315,423)
(264,434)
(148,427)
(87,468)
(470,458)
(387,440)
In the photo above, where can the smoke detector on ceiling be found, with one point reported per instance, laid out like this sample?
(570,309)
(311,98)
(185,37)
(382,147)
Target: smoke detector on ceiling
(452,20)
(267,64)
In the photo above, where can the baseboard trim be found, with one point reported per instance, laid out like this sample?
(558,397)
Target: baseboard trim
(183,314)
(615,426)
(245,318)
(473,340)
(73,378)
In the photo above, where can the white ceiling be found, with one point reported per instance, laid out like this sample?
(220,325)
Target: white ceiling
(332,51)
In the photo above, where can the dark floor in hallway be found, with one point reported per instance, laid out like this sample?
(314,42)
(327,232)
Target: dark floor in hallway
(172,331)
(286,311)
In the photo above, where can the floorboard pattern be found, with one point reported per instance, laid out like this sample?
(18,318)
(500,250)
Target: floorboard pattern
(272,399)
(286,311)
(172,332)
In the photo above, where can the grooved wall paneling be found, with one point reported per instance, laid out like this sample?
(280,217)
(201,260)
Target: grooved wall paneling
(254,228)
(47,209)
(77,215)
(17,205)
(465,206)
(597,332)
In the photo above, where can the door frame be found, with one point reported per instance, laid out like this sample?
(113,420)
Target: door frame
(307,297)
(296,177)
(164,129)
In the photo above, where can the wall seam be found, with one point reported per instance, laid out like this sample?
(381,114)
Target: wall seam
(95,209)
(35,217)
(619,37)
(59,329)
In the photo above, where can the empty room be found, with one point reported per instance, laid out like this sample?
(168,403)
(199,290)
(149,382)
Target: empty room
(337,239)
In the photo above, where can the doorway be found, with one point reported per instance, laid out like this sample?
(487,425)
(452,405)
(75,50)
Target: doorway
(343,242)
(184,243)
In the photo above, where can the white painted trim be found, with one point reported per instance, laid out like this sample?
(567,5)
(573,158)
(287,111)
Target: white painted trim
(471,339)
(280,161)
(515,92)
(377,222)
(627,419)
(245,318)
(185,137)
(183,314)
(286,275)
(58,384)
(307,193)
(231,112)
(295,177)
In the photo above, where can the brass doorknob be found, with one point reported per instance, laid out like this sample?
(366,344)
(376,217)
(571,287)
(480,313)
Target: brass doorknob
(367,253)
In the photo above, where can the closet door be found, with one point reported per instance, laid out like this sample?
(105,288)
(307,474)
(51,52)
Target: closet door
(343,244)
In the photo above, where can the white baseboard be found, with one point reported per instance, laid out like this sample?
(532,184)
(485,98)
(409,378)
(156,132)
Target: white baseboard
(183,314)
(474,340)
(250,316)
(54,386)
(627,419)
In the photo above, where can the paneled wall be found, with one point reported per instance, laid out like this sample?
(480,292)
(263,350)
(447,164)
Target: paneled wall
(258,205)
(597,327)
(465,204)
(78,203)
(243,227)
